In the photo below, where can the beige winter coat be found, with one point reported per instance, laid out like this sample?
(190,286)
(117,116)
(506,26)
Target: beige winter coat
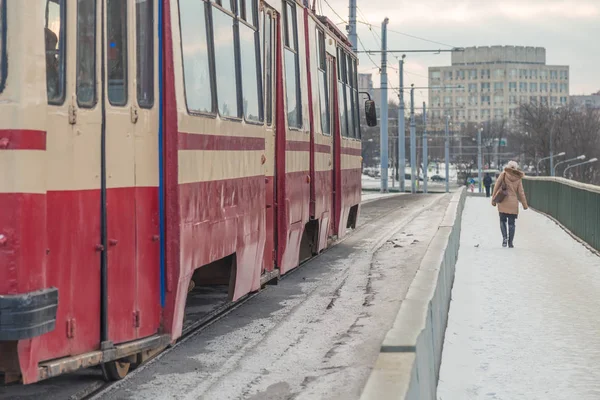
(514,188)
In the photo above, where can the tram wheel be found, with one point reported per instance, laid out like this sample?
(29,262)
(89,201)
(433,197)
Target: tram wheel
(115,370)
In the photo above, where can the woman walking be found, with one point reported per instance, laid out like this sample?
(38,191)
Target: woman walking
(508,191)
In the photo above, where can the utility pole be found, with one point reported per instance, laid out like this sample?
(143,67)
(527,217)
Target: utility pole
(479,161)
(425,156)
(352,25)
(447,154)
(384,109)
(413,141)
(401,130)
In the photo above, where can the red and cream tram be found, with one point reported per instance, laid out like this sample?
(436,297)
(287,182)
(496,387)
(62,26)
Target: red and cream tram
(151,146)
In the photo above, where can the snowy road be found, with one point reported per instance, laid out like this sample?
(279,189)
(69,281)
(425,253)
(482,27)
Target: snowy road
(523,322)
(315,335)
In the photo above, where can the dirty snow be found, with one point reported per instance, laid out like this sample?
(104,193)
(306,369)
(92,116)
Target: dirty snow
(317,333)
(524,323)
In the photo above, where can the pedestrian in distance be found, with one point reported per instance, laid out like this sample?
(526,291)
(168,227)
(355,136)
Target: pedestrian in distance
(487,182)
(507,194)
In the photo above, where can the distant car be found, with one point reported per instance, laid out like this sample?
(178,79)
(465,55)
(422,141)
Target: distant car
(438,178)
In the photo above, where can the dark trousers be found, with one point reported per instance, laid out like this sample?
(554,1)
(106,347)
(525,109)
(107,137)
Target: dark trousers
(487,190)
(510,232)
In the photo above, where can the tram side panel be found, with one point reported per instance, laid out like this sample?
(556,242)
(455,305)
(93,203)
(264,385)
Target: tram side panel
(220,146)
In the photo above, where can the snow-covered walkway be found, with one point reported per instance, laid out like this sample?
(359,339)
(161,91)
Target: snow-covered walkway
(524,323)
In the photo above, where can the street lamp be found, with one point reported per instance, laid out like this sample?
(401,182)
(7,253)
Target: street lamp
(593,160)
(547,158)
(578,158)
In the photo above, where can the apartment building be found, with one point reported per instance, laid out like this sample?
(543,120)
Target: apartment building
(486,83)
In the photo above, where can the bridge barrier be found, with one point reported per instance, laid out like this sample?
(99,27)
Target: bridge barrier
(576,206)
(408,364)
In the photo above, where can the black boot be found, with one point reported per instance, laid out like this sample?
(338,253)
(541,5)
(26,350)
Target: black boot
(503,230)
(511,235)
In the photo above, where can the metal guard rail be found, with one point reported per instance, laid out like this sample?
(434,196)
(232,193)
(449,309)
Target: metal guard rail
(575,205)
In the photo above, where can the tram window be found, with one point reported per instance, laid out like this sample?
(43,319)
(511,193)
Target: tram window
(356,104)
(322,76)
(225,69)
(268,35)
(292,81)
(54,31)
(86,53)
(342,101)
(194,50)
(250,75)
(144,31)
(117,52)
(249,15)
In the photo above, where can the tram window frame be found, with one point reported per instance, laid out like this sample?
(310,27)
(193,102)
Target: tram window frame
(342,101)
(209,61)
(256,82)
(323,83)
(60,52)
(122,22)
(357,104)
(79,45)
(238,115)
(268,66)
(291,50)
(144,11)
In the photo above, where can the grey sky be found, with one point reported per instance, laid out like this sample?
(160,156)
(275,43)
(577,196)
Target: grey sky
(568,29)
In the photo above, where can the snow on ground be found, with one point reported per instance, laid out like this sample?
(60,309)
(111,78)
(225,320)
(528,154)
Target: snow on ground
(523,322)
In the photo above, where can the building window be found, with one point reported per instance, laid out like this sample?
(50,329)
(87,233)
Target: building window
(485,87)
(460,74)
(533,73)
(512,73)
(144,31)
(292,67)
(522,87)
(523,99)
(498,100)
(564,88)
(460,100)
(533,87)
(86,53)
(512,87)
(533,100)
(564,75)
(554,87)
(498,86)
(498,113)
(447,100)
(499,73)
(55,50)
(116,22)
(553,74)
(436,101)
(472,87)
(523,74)
(435,75)
(485,114)
(554,100)
(473,74)
(485,100)
(544,87)
(448,75)
(473,100)
(194,49)
(544,100)
(512,113)
(543,74)
(512,99)
(485,74)
(563,101)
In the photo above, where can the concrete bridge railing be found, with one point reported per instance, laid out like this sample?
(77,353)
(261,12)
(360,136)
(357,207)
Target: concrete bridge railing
(576,206)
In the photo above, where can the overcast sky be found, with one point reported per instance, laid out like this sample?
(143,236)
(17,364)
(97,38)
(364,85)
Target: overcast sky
(568,29)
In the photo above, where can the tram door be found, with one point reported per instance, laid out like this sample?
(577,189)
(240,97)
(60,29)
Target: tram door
(131,168)
(270,49)
(334,114)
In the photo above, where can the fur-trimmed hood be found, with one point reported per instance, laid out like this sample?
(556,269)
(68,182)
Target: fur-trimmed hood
(513,175)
